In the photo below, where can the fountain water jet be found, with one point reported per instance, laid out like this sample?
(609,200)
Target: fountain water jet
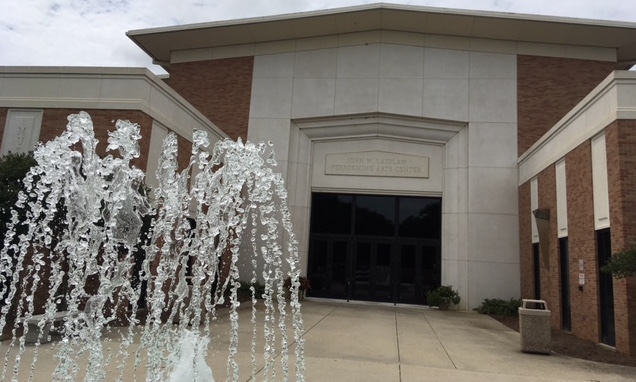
(90,262)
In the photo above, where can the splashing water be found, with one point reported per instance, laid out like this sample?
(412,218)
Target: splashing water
(81,245)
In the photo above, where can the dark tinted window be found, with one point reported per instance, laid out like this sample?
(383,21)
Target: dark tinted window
(375,215)
(331,213)
(420,217)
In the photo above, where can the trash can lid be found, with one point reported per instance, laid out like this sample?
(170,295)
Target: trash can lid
(539,308)
(526,302)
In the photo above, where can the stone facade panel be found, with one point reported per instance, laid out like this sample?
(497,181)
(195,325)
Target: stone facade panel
(525,242)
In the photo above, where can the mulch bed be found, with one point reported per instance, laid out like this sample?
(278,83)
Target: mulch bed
(567,344)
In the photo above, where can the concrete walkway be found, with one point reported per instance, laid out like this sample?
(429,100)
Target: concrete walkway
(381,343)
(355,342)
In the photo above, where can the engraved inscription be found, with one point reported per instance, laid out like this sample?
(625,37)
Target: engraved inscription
(20,136)
(377,163)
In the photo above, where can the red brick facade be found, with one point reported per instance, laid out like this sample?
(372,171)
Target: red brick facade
(582,242)
(620,139)
(549,272)
(3,120)
(621,166)
(220,89)
(54,123)
(548,88)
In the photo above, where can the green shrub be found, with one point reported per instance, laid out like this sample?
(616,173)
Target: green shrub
(500,307)
(433,298)
(445,294)
(622,264)
(13,169)
(244,291)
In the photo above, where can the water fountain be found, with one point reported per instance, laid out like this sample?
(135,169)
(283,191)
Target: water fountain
(81,253)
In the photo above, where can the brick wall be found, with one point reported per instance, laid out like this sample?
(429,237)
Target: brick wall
(550,285)
(3,121)
(582,241)
(54,123)
(220,89)
(621,172)
(549,87)
(621,166)
(185,152)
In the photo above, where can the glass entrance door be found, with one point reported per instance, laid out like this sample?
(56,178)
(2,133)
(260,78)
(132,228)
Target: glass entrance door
(374,248)
(418,270)
(372,271)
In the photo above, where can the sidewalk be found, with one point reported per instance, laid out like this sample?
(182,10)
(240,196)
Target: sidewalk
(356,342)
(381,343)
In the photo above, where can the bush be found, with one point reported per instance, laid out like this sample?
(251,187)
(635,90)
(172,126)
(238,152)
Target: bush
(445,294)
(244,293)
(433,298)
(500,307)
(622,264)
(13,169)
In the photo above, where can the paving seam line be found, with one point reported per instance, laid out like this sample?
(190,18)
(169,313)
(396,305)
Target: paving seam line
(440,342)
(397,340)
(292,343)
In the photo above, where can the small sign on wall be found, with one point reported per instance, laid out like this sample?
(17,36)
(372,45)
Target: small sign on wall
(581,279)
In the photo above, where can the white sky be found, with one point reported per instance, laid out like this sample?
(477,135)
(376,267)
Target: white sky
(93,32)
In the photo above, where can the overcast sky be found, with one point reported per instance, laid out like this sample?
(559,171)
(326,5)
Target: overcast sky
(93,32)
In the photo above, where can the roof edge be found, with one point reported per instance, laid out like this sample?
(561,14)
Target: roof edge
(377,6)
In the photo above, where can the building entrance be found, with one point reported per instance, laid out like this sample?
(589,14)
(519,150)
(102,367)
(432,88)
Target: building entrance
(374,248)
